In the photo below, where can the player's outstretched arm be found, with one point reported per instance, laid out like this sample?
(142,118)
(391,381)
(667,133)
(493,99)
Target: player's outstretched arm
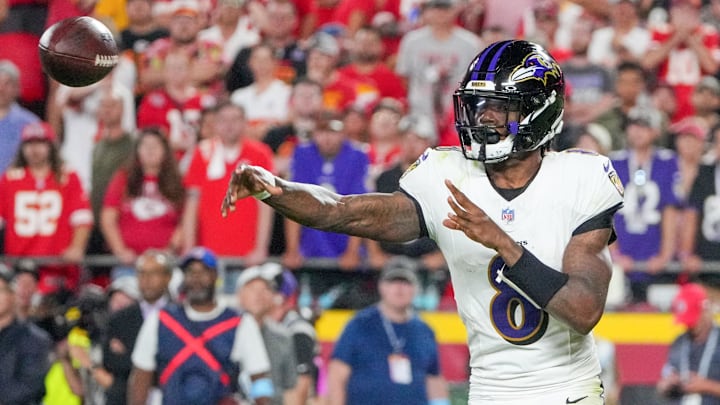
(379,216)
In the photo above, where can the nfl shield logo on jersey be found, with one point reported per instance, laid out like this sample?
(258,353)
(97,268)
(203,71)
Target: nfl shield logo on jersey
(508,215)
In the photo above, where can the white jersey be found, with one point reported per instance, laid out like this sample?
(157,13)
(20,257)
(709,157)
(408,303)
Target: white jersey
(513,345)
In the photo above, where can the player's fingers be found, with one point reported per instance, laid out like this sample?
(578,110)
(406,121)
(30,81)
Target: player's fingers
(460,197)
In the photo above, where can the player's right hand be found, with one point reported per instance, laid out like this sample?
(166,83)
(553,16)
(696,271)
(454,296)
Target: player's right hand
(246,181)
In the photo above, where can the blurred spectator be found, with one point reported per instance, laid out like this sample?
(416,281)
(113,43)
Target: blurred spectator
(385,147)
(81,122)
(304,107)
(624,40)
(265,101)
(176,106)
(323,58)
(663,99)
(631,95)
(432,59)
(706,101)
(113,149)
(22,22)
(357,123)
(44,208)
(700,235)
(683,51)
(141,31)
(255,294)
(85,342)
(205,67)
(143,203)
(710,13)
(690,139)
(386,354)
(594,137)
(233,28)
(329,159)
(213,163)
(418,134)
(591,83)
(505,14)
(278,31)
(691,375)
(373,78)
(196,350)
(303,333)
(646,225)
(24,352)
(154,270)
(122,293)
(541,23)
(13,117)
(112,13)
(25,282)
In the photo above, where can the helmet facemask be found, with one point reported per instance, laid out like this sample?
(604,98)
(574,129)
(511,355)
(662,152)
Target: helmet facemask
(482,141)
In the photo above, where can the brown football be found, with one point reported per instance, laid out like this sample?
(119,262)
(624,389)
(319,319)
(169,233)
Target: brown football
(78,51)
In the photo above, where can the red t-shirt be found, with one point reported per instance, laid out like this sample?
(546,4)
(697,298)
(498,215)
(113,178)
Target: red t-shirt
(381,82)
(41,214)
(147,221)
(681,69)
(236,234)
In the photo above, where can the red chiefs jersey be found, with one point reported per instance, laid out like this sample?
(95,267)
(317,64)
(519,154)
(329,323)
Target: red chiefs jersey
(682,68)
(41,214)
(179,118)
(146,221)
(210,174)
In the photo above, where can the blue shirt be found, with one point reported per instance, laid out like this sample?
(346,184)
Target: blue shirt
(10,129)
(346,173)
(365,347)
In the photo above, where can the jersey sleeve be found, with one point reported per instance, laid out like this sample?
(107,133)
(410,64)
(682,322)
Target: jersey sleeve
(599,190)
(421,181)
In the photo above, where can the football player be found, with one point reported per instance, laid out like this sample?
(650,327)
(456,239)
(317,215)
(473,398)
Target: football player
(524,230)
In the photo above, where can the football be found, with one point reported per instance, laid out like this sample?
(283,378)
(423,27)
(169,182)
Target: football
(78,51)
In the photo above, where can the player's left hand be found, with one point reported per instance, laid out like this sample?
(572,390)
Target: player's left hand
(472,220)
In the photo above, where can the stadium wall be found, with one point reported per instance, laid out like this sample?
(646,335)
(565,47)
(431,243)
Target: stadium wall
(641,340)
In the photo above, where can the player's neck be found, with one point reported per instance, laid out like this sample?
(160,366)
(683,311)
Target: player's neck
(515,172)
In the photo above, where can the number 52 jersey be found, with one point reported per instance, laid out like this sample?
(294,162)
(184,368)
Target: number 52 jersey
(39,214)
(513,345)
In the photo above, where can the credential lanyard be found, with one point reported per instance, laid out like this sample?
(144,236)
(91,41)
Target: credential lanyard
(396,343)
(707,355)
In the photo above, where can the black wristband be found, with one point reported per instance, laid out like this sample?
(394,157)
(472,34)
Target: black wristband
(533,278)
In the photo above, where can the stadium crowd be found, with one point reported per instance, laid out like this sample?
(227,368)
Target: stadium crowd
(341,93)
